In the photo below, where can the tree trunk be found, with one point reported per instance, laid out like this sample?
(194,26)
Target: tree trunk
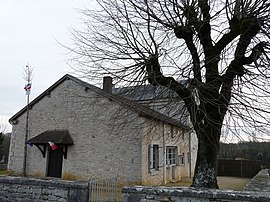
(206,165)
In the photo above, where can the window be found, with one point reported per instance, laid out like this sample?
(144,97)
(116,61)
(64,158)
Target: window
(171,155)
(155,157)
(181,159)
(172,132)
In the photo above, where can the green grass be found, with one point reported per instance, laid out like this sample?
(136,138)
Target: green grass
(3,172)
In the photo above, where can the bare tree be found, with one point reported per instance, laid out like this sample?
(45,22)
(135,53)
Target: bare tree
(2,130)
(2,127)
(220,47)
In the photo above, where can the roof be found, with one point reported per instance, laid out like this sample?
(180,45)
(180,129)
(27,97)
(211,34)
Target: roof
(55,136)
(147,92)
(132,105)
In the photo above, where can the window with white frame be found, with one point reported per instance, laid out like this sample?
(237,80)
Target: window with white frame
(155,157)
(181,159)
(171,152)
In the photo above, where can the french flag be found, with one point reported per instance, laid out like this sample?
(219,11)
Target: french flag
(52,145)
(27,86)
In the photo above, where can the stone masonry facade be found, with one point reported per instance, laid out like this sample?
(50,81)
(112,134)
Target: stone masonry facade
(109,139)
(92,122)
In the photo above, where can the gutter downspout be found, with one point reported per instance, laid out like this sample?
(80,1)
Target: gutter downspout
(164,155)
(189,148)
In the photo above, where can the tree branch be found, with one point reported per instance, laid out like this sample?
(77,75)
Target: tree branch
(249,27)
(255,53)
(228,37)
(236,68)
(186,33)
(205,28)
(155,77)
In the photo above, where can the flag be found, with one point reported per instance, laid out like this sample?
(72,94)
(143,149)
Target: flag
(53,146)
(27,88)
(30,144)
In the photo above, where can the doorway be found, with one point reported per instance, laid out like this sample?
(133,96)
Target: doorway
(55,162)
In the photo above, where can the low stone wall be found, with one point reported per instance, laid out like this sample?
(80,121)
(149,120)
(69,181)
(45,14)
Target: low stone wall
(38,190)
(176,194)
(187,194)
(261,182)
(3,166)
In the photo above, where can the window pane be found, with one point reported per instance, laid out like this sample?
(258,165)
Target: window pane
(171,155)
(155,157)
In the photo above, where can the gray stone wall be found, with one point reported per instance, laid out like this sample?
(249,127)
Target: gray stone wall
(172,137)
(13,189)
(256,190)
(3,166)
(188,194)
(16,152)
(106,137)
(260,182)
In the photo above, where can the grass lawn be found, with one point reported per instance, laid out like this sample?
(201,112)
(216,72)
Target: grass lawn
(232,183)
(3,172)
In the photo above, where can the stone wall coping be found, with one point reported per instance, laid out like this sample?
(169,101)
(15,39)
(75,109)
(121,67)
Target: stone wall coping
(261,182)
(196,193)
(49,182)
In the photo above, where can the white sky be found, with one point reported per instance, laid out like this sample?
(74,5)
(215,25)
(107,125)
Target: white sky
(28,33)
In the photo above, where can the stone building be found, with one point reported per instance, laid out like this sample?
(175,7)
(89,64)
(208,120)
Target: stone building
(98,134)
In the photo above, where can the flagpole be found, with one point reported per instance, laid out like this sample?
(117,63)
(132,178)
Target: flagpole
(26,136)
(27,77)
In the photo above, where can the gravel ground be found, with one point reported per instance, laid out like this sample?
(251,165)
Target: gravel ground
(231,183)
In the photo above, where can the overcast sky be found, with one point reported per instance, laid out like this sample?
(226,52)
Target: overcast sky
(29,31)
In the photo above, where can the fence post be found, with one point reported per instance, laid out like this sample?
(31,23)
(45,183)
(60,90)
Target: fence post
(103,190)
(241,166)
(89,189)
(116,188)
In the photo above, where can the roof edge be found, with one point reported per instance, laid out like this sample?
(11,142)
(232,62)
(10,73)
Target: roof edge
(38,98)
(133,105)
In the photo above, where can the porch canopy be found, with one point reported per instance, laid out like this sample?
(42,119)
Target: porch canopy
(58,137)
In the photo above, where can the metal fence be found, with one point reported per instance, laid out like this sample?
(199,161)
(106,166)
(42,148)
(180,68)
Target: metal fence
(103,190)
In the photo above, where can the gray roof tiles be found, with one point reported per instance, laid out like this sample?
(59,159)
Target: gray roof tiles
(131,104)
